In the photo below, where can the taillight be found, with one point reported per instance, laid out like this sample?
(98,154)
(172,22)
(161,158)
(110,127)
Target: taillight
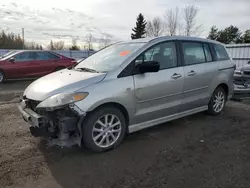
(73,61)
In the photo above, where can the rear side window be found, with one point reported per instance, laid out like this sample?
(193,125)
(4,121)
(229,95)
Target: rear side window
(220,52)
(53,56)
(193,53)
(46,56)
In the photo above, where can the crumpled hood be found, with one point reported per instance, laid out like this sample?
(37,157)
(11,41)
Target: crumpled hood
(63,81)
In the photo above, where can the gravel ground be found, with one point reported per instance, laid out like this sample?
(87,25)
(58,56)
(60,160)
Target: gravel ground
(15,85)
(196,151)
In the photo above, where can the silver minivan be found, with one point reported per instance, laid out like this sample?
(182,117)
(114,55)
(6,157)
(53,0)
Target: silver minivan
(127,87)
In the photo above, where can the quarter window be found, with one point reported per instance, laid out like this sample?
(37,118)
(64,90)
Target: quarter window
(220,52)
(46,56)
(193,53)
(164,54)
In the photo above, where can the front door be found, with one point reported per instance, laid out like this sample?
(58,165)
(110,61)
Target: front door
(159,94)
(22,65)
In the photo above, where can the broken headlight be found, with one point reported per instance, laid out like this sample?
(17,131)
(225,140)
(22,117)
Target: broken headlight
(62,99)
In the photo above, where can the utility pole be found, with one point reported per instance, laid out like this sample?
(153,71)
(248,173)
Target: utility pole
(23,36)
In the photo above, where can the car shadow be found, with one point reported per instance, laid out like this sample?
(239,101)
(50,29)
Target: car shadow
(79,167)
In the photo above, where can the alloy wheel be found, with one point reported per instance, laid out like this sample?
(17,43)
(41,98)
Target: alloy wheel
(106,130)
(219,101)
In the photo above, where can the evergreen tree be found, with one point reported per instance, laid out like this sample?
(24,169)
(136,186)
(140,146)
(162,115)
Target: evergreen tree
(51,45)
(230,35)
(10,41)
(213,34)
(140,28)
(246,36)
(74,47)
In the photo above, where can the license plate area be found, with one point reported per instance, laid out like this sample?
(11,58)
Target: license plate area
(31,117)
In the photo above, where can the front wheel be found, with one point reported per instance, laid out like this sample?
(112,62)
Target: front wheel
(104,129)
(217,101)
(2,77)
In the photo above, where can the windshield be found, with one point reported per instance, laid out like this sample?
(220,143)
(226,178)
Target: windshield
(110,57)
(7,55)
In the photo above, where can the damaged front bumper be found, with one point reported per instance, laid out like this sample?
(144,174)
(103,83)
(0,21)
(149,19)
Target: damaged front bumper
(62,123)
(241,87)
(241,92)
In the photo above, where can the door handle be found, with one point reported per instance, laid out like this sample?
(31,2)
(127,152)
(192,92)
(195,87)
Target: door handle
(191,73)
(176,76)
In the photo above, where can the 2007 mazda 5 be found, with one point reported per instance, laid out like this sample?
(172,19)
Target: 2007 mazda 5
(127,87)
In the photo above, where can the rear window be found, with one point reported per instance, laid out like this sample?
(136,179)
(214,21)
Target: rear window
(220,52)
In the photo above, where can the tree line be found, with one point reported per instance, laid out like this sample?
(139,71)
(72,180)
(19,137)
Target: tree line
(12,41)
(184,22)
(174,22)
(229,35)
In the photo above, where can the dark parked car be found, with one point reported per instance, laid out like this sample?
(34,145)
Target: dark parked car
(242,82)
(26,64)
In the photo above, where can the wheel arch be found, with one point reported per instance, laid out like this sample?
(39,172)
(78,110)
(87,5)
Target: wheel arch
(116,105)
(225,87)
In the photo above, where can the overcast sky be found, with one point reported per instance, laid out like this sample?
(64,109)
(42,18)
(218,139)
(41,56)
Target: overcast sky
(44,20)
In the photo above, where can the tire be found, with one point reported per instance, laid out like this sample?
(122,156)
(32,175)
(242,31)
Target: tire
(2,77)
(219,95)
(115,135)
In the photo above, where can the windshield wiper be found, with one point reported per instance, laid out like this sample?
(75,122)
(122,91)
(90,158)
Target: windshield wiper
(86,69)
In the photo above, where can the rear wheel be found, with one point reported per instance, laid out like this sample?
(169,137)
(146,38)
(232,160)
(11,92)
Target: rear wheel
(217,101)
(2,77)
(104,129)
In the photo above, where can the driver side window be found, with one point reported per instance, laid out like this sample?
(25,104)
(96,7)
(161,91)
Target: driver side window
(25,56)
(164,54)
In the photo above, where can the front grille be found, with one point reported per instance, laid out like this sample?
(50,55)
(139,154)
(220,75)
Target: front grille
(247,73)
(241,81)
(32,104)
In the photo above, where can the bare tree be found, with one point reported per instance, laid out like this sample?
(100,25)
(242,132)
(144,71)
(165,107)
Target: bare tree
(59,45)
(172,21)
(155,27)
(190,26)
(74,41)
(105,40)
(89,39)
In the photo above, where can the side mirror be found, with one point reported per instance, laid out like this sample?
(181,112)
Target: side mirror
(12,60)
(150,66)
(248,62)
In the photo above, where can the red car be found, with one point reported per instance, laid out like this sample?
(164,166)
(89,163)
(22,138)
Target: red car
(26,64)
